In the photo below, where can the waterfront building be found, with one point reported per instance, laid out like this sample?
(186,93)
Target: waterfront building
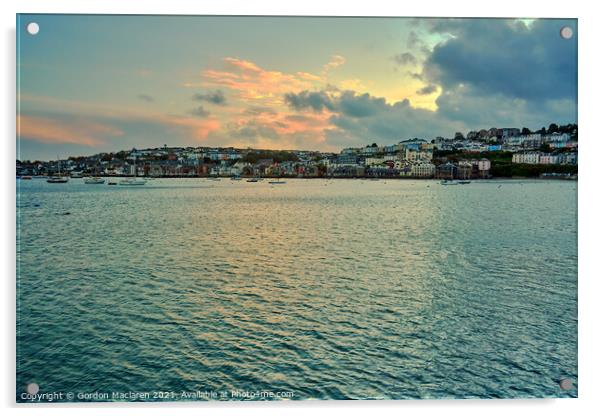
(421,170)
(464,169)
(446,171)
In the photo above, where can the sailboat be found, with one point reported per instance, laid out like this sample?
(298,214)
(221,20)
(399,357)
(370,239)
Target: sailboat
(94,180)
(132,181)
(58,178)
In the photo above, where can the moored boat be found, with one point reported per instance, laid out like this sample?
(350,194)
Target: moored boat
(94,180)
(131,182)
(58,179)
(135,181)
(449,182)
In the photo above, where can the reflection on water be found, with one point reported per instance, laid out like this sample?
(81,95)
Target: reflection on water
(328,289)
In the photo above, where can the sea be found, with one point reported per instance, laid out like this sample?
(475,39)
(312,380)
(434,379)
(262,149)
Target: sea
(198,289)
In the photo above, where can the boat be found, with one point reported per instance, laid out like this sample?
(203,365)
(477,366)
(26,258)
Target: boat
(235,178)
(449,182)
(112,183)
(58,178)
(253,180)
(213,179)
(77,174)
(94,180)
(277,182)
(132,181)
(25,178)
(463,182)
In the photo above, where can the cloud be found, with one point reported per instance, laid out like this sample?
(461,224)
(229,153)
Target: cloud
(200,112)
(428,89)
(335,62)
(405,58)
(74,131)
(354,119)
(255,110)
(106,128)
(213,97)
(251,83)
(317,101)
(506,57)
(145,98)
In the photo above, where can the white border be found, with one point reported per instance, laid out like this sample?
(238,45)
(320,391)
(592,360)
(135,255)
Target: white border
(589,191)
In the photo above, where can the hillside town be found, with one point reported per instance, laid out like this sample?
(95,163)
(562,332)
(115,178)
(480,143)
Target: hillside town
(496,152)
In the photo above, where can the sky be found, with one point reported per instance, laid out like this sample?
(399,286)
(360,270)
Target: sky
(90,83)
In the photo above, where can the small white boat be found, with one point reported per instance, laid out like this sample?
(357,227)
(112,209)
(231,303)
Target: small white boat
(135,181)
(448,182)
(58,179)
(132,182)
(253,180)
(77,174)
(94,180)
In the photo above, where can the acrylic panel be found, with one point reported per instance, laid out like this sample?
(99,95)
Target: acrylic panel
(295,208)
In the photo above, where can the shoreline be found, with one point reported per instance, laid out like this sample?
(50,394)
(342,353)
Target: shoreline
(372,178)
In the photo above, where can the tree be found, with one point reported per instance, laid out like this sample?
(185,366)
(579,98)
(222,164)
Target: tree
(525,131)
(553,128)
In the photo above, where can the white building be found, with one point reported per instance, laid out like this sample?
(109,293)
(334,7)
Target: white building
(548,159)
(531,158)
(557,140)
(412,155)
(484,164)
(374,161)
(423,170)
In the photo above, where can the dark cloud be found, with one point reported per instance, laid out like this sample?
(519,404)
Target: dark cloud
(317,101)
(383,122)
(429,89)
(200,112)
(507,57)
(405,58)
(359,106)
(213,97)
(145,98)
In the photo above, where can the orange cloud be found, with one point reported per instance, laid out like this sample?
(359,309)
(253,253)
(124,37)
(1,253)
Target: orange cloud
(253,83)
(47,130)
(200,129)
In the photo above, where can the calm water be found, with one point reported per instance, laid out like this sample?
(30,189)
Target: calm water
(326,289)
